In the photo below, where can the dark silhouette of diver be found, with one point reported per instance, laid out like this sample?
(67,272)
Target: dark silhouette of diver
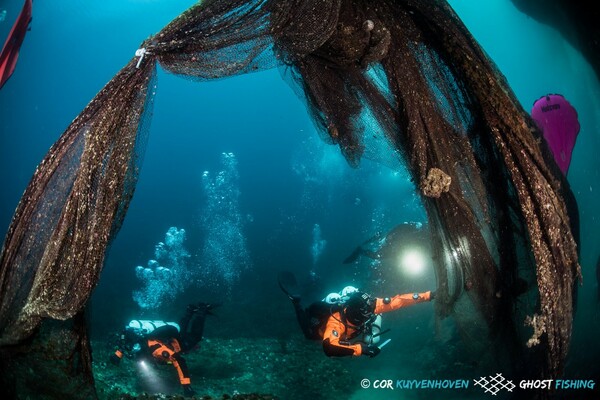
(415,234)
(380,247)
(347,323)
(164,342)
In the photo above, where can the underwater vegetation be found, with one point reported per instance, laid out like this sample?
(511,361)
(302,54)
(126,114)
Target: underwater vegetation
(403,77)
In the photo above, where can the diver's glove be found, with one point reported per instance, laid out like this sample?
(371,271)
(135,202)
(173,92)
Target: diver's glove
(369,350)
(188,391)
(432,295)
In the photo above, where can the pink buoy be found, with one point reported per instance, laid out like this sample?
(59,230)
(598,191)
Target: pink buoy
(557,119)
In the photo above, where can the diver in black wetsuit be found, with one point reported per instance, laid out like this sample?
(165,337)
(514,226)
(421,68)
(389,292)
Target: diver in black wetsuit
(310,319)
(385,246)
(165,343)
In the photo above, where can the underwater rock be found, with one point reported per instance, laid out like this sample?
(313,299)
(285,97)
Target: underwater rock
(436,183)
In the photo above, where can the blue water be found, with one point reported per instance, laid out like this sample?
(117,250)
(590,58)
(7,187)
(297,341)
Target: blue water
(288,179)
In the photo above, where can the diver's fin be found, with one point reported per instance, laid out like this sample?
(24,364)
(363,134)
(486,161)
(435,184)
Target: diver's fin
(210,307)
(202,308)
(287,283)
(354,256)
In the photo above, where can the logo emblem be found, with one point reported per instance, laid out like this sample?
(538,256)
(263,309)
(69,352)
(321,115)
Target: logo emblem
(494,383)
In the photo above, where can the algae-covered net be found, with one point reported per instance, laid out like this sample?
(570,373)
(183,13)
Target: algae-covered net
(404,76)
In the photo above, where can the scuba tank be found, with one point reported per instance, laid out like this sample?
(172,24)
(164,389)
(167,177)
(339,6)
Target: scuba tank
(148,326)
(372,331)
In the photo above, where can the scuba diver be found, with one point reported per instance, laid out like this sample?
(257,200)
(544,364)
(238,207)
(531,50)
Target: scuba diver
(381,247)
(349,322)
(165,342)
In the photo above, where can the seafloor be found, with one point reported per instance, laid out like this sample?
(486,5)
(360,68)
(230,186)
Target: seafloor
(256,368)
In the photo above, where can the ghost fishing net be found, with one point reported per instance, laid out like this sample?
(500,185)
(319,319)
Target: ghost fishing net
(404,77)
(73,206)
(499,223)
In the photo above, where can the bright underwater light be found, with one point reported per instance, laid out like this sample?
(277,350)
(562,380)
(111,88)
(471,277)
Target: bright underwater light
(412,261)
(143,365)
(150,379)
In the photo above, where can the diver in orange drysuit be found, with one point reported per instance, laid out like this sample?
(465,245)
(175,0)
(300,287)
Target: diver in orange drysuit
(353,319)
(166,343)
(348,323)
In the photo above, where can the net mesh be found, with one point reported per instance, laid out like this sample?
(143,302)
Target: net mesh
(400,76)
(73,206)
